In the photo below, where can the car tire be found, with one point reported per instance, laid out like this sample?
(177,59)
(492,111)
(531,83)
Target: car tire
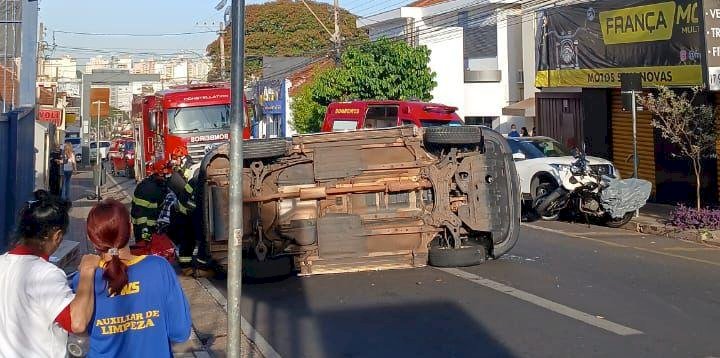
(464,256)
(265,148)
(271,268)
(460,135)
(618,223)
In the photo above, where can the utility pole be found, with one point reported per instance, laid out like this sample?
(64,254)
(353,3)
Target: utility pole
(337,38)
(98,165)
(221,32)
(235,230)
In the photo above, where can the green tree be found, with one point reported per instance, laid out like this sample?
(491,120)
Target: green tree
(691,127)
(383,69)
(283,28)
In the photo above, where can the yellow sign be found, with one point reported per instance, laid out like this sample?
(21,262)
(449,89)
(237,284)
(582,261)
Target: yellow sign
(70,118)
(347,111)
(655,22)
(690,75)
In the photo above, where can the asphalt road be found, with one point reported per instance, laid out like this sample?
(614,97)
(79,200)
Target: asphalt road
(566,290)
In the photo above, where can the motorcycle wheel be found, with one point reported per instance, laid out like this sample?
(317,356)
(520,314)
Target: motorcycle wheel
(546,195)
(617,223)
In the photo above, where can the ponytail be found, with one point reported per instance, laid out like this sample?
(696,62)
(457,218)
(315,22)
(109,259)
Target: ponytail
(108,228)
(115,275)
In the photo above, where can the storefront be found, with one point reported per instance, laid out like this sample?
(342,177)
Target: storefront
(581,51)
(272,116)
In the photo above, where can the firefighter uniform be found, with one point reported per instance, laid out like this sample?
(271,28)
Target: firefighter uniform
(181,230)
(147,199)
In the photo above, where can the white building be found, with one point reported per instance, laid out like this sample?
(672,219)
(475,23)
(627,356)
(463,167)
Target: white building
(476,52)
(54,69)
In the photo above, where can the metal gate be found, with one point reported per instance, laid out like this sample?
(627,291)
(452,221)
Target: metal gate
(17,156)
(622,141)
(560,116)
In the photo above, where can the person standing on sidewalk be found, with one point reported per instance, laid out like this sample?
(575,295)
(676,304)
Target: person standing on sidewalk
(140,307)
(69,167)
(37,306)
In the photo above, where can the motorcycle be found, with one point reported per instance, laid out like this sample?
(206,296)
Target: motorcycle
(610,201)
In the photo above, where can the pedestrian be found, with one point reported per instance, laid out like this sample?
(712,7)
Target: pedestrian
(513,131)
(69,167)
(524,132)
(140,308)
(533,133)
(37,306)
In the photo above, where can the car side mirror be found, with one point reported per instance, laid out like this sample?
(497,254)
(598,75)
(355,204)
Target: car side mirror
(519,156)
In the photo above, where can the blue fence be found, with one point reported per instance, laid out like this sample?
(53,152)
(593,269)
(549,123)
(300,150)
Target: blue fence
(17,167)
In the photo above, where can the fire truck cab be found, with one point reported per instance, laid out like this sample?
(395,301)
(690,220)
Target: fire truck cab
(345,116)
(195,116)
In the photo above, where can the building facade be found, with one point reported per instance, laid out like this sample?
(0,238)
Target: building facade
(476,54)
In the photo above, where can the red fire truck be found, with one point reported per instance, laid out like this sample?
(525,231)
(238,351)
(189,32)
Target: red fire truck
(193,116)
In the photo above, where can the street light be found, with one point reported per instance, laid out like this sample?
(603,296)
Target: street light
(98,168)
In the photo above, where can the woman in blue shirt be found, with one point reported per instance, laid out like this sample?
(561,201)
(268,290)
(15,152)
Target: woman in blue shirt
(140,308)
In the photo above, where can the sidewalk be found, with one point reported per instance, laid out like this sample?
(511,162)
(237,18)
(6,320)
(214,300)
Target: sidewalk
(653,220)
(209,332)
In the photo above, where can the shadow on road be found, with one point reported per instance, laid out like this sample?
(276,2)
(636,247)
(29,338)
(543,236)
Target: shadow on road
(299,322)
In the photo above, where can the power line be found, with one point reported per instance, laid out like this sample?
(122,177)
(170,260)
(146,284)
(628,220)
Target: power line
(132,34)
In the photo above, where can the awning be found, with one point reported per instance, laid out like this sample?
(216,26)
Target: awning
(524,108)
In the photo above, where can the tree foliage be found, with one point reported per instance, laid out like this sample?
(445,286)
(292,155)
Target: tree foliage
(284,28)
(382,69)
(690,126)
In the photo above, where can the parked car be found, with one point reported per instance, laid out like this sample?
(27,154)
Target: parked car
(536,157)
(121,157)
(360,200)
(104,148)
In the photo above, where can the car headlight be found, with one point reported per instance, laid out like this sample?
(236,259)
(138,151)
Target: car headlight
(560,167)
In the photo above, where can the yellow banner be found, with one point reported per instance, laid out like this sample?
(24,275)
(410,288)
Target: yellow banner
(638,24)
(690,75)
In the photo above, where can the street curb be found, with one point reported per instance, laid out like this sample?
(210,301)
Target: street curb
(672,232)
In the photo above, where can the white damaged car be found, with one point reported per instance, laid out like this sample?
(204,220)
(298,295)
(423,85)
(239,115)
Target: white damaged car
(537,159)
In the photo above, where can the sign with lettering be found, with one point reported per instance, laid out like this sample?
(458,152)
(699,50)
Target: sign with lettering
(53,116)
(711,12)
(591,44)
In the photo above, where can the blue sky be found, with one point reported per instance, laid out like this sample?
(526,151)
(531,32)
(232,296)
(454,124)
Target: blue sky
(147,17)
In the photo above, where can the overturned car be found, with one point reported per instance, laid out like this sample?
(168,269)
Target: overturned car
(365,200)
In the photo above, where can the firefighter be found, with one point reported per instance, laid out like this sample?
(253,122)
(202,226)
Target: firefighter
(182,229)
(147,199)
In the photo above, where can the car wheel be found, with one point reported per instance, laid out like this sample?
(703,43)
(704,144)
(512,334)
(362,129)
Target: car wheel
(466,255)
(544,195)
(265,148)
(454,135)
(617,223)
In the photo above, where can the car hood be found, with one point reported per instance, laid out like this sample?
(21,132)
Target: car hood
(569,160)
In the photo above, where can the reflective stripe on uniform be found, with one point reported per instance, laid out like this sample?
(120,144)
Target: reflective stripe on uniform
(188,188)
(143,221)
(144,203)
(184,259)
(185,209)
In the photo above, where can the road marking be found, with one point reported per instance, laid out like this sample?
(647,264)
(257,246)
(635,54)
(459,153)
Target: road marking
(691,249)
(544,303)
(577,236)
(565,233)
(262,344)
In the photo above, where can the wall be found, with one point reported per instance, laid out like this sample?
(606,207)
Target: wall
(446,59)
(528,52)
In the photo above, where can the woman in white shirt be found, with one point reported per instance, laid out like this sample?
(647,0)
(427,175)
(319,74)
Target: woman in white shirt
(37,306)
(69,167)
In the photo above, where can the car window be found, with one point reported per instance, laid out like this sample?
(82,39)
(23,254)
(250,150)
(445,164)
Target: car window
(340,125)
(549,147)
(437,123)
(104,144)
(529,150)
